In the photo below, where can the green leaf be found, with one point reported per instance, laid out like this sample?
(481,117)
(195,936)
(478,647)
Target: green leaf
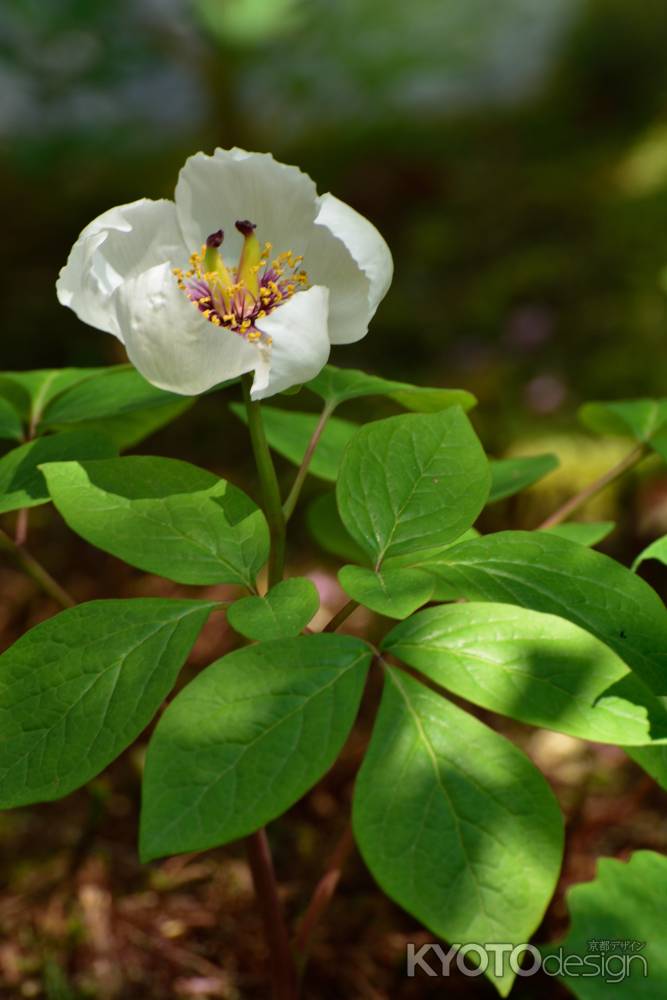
(76,690)
(511,475)
(283,612)
(247,738)
(541,571)
(130,429)
(163,516)
(656,550)
(412,482)
(109,392)
(583,532)
(119,402)
(617,925)
(21,481)
(395,593)
(532,667)
(454,822)
(336,385)
(329,532)
(29,392)
(415,560)
(640,419)
(11,427)
(289,433)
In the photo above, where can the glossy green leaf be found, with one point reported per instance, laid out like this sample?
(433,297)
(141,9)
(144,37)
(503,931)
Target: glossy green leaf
(414,560)
(617,927)
(128,430)
(11,428)
(22,484)
(412,482)
(656,550)
(31,391)
(511,475)
(289,433)
(247,738)
(533,667)
(163,516)
(329,532)
(336,385)
(454,822)
(111,392)
(79,688)
(583,532)
(283,612)
(118,402)
(640,419)
(395,593)
(546,573)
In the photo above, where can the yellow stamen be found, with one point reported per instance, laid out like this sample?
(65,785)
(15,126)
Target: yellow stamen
(249,263)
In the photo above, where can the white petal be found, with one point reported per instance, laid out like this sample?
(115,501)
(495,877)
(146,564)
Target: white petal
(170,341)
(367,248)
(299,343)
(119,244)
(213,192)
(329,262)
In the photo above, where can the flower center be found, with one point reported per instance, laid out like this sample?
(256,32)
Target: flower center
(237,297)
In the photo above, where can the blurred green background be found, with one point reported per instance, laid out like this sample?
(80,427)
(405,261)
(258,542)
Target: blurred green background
(514,154)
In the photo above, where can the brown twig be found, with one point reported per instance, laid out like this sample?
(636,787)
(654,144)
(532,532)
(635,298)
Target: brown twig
(283,971)
(35,571)
(294,493)
(579,499)
(323,893)
(341,616)
(21,529)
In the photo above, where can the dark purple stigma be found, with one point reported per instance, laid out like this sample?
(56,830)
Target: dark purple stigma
(245,227)
(215,239)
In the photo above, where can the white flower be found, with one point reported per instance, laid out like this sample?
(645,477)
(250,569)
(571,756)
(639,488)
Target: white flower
(197,296)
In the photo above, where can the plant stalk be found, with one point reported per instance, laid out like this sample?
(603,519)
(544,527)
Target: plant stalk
(269,483)
(35,571)
(283,970)
(341,616)
(323,894)
(294,493)
(579,499)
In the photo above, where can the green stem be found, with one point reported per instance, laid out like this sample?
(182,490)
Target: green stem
(36,571)
(294,493)
(579,499)
(283,969)
(269,482)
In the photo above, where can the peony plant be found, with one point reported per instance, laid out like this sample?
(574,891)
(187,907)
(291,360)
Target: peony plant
(249,277)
